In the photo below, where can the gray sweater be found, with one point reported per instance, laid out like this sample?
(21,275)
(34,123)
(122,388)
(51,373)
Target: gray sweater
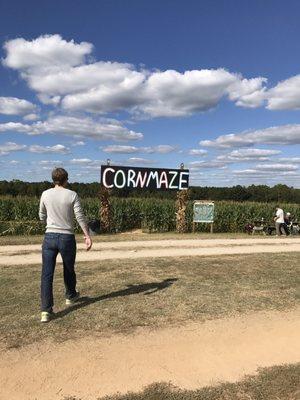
(58,206)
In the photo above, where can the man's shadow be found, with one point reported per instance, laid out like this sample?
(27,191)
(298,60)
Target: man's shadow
(146,288)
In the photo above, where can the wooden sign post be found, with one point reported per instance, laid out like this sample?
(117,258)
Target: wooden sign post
(123,177)
(105,207)
(181,206)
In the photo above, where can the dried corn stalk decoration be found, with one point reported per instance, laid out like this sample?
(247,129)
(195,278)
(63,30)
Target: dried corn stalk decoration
(105,210)
(181,206)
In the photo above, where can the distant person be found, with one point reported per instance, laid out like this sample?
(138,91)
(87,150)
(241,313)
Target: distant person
(58,206)
(288,223)
(288,219)
(279,221)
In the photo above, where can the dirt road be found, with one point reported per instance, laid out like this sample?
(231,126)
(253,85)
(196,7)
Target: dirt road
(31,254)
(190,357)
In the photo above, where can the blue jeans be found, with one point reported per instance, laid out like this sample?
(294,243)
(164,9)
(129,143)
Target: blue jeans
(53,244)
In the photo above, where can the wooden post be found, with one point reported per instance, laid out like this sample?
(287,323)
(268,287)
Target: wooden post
(181,205)
(105,208)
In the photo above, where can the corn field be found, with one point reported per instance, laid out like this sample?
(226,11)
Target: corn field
(19,215)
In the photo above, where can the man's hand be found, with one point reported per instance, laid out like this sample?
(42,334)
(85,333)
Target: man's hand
(88,242)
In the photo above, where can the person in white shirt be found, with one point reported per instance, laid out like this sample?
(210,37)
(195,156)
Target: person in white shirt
(58,207)
(279,220)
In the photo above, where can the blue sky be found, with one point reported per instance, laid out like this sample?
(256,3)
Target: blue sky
(151,84)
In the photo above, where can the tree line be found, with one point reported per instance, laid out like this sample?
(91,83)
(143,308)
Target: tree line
(260,193)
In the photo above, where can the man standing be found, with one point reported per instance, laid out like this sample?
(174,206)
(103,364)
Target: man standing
(58,206)
(279,220)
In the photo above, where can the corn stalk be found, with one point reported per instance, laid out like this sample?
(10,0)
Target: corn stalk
(105,210)
(181,208)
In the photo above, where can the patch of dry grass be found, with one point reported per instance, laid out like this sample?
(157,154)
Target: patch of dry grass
(122,295)
(275,383)
(119,237)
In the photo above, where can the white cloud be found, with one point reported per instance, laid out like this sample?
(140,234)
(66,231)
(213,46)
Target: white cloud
(253,153)
(58,148)
(59,71)
(50,162)
(277,167)
(10,147)
(248,92)
(285,95)
(278,135)
(160,149)
(258,173)
(269,172)
(47,52)
(16,127)
(197,152)
(87,127)
(78,143)
(242,155)
(121,149)
(62,71)
(93,166)
(289,160)
(140,161)
(158,94)
(81,161)
(174,94)
(31,117)
(86,164)
(195,165)
(100,87)
(106,129)
(252,100)
(15,106)
(49,100)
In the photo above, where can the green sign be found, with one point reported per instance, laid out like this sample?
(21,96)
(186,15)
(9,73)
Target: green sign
(203,212)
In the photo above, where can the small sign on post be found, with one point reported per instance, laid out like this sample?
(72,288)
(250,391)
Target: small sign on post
(203,212)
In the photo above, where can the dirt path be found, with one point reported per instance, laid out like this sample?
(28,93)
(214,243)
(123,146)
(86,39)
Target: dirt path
(190,357)
(30,254)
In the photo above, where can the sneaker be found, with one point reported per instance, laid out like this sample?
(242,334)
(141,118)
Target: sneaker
(46,316)
(73,299)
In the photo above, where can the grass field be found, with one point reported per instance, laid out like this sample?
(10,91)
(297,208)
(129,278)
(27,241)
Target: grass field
(120,296)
